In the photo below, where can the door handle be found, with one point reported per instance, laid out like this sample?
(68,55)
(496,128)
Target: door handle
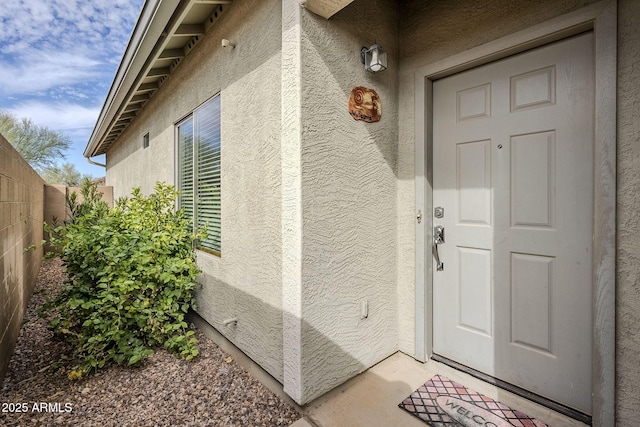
(438,238)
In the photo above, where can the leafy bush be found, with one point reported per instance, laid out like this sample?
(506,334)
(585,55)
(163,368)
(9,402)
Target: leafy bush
(131,276)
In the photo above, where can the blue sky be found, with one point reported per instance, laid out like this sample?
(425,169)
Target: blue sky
(57,61)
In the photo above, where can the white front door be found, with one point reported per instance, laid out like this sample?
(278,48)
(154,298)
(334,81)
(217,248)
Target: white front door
(513,173)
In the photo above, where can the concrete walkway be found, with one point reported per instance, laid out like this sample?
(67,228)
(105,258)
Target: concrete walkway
(371,399)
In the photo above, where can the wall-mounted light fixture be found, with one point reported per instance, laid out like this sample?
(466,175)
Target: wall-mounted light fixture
(374,58)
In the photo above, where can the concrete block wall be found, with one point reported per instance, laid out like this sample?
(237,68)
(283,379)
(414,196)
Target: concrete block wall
(55,206)
(55,210)
(106,191)
(21,226)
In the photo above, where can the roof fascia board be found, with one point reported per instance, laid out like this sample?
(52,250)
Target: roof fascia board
(154,17)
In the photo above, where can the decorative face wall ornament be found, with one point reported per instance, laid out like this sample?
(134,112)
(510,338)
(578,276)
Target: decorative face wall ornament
(364,104)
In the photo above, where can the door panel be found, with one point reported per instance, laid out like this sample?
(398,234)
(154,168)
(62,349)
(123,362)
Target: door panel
(531,288)
(473,182)
(476,305)
(513,170)
(532,179)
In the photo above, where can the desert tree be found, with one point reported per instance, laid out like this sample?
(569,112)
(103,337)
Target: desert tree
(65,173)
(40,146)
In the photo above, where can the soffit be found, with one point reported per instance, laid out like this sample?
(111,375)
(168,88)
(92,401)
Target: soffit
(326,8)
(165,33)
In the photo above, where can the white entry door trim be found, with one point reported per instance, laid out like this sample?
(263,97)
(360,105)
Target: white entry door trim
(601,19)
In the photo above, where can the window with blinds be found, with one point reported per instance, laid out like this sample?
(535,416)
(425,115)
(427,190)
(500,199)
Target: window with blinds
(199,172)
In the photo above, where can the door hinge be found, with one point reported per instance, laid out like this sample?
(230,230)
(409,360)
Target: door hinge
(419,216)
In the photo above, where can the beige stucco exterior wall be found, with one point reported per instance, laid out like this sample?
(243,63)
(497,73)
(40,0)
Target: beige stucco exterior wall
(347,187)
(628,223)
(292,241)
(21,220)
(245,282)
(345,225)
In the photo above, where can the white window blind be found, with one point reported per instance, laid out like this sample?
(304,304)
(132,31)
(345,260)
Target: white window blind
(199,172)
(185,167)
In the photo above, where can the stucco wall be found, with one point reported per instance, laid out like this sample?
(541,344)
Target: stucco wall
(21,216)
(348,197)
(628,224)
(245,282)
(291,143)
(432,31)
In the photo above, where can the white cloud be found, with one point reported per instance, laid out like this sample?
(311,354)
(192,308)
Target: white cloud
(68,23)
(38,71)
(68,118)
(61,42)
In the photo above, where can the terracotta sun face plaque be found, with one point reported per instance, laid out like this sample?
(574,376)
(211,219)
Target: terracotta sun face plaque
(364,104)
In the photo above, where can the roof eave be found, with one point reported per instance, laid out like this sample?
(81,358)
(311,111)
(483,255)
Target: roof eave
(153,19)
(326,8)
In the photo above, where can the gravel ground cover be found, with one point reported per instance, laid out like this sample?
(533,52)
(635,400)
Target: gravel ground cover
(211,390)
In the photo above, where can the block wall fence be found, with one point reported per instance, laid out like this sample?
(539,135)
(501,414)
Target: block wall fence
(55,207)
(26,202)
(21,226)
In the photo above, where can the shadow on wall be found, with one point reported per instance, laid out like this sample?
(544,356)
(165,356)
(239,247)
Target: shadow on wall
(323,363)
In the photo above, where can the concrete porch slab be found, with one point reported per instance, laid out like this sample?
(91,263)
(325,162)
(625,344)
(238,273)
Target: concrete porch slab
(371,399)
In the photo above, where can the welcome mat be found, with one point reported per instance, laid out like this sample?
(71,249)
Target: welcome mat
(441,402)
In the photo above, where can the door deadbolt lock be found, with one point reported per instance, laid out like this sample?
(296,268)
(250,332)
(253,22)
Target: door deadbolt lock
(438,212)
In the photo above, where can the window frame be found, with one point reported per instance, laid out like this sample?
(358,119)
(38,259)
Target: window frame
(196,179)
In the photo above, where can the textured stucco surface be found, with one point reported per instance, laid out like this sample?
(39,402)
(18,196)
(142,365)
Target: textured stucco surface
(628,223)
(291,199)
(348,198)
(431,31)
(21,220)
(245,282)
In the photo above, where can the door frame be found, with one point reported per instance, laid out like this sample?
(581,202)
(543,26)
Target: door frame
(601,18)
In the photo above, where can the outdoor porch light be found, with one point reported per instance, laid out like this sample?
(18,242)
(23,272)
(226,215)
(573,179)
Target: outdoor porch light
(374,58)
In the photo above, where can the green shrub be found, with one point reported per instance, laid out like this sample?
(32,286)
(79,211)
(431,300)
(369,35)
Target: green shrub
(131,278)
